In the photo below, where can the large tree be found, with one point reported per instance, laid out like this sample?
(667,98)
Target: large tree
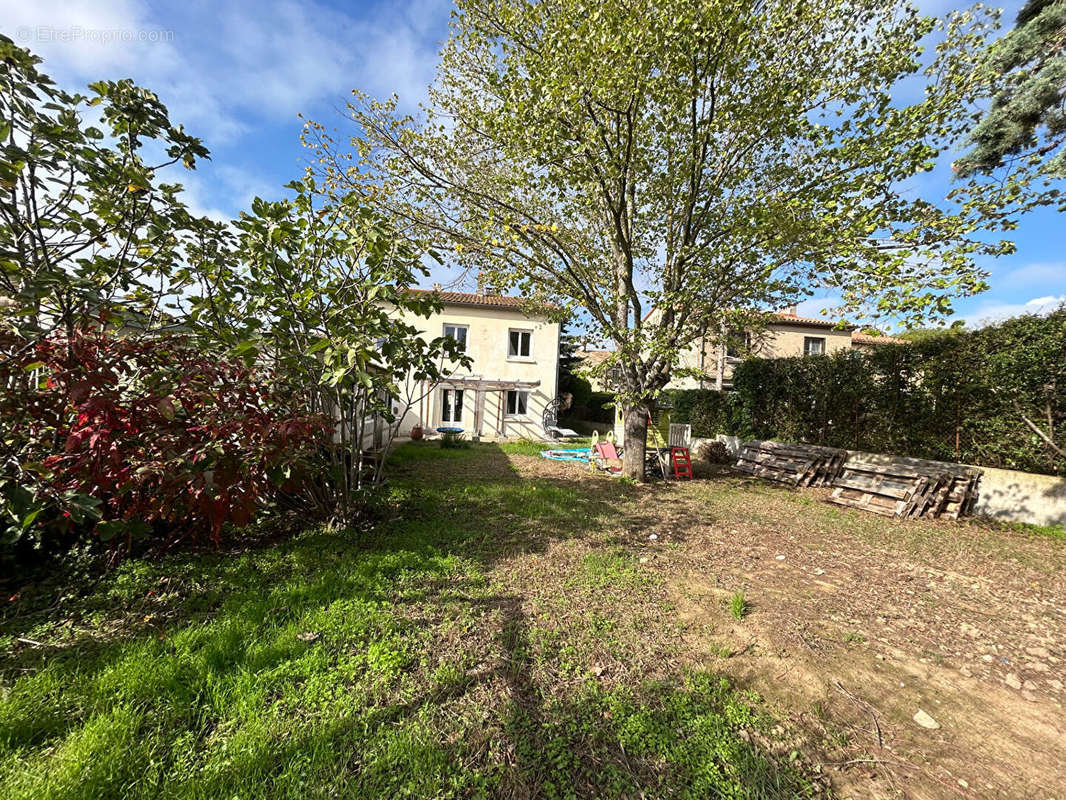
(695,160)
(1027,117)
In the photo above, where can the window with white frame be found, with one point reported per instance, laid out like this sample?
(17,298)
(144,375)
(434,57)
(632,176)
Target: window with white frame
(517,403)
(451,405)
(813,345)
(457,332)
(519,343)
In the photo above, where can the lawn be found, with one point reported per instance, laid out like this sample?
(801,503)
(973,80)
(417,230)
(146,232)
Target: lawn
(519,628)
(496,635)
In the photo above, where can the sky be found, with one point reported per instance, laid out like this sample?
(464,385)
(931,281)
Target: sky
(236,73)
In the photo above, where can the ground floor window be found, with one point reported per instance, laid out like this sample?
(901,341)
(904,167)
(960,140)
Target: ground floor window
(517,403)
(813,345)
(451,405)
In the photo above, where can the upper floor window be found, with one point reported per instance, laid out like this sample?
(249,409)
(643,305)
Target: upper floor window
(519,344)
(457,332)
(813,345)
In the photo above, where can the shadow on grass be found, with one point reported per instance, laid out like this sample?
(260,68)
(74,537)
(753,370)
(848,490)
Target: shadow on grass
(339,664)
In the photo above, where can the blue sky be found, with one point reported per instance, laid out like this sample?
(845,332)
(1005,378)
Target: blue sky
(237,73)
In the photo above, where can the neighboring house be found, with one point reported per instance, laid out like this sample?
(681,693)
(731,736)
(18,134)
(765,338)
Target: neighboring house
(589,360)
(513,376)
(710,360)
(785,335)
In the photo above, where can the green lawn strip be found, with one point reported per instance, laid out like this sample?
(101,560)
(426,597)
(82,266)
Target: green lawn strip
(396,663)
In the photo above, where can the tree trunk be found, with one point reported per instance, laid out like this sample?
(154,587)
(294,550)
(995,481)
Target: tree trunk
(634,442)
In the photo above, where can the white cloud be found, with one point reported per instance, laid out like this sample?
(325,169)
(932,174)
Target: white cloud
(226,68)
(993,312)
(219,66)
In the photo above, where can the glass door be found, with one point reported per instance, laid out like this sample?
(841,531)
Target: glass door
(451,406)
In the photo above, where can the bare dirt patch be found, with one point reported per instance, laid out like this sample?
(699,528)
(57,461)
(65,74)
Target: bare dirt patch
(856,624)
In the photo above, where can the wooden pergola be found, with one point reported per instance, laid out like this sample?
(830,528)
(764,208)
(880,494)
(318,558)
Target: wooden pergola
(480,386)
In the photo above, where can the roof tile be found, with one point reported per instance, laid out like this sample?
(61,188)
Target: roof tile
(472,299)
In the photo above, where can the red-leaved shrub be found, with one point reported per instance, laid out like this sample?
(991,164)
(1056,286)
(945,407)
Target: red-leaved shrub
(129,436)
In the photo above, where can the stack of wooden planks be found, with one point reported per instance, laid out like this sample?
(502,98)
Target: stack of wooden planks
(907,488)
(797,464)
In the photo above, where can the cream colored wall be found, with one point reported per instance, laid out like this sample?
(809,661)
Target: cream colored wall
(487,335)
(783,341)
(777,341)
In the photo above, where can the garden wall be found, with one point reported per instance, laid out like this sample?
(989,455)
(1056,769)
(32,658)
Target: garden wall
(1005,494)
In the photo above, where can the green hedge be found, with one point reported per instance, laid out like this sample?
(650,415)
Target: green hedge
(956,396)
(591,406)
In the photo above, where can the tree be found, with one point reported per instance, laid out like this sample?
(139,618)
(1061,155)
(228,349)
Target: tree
(698,159)
(1027,366)
(86,226)
(316,302)
(571,382)
(1026,122)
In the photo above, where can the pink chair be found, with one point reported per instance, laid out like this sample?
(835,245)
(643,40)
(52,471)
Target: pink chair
(604,453)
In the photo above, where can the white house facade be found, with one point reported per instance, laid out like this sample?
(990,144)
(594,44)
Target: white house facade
(511,380)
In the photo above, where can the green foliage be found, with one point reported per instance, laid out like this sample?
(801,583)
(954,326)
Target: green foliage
(708,411)
(88,227)
(569,362)
(308,294)
(994,396)
(1026,119)
(454,441)
(738,605)
(321,291)
(699,159)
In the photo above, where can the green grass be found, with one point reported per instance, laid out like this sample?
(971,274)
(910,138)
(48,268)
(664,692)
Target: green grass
(402,662)
(738,605)
(1057,532)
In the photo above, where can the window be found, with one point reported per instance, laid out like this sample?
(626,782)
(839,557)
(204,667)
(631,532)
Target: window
(517,403)
(457,332)
(738,344)
(519,344)
(813,345)
(451,405)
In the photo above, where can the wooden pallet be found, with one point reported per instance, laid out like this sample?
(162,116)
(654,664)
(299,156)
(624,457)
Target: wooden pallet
(796,464)
(907,488)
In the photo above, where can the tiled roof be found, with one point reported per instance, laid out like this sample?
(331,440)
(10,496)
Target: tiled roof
(862,338)
(594,357)
(784,318)
(781,318)
(472,299)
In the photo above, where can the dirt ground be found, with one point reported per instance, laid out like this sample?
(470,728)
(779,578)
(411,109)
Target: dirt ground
(857,623)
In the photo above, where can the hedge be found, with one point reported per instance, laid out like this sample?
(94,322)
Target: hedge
(590,406)
(956,396)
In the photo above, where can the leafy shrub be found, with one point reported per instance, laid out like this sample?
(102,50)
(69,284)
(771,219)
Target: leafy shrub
(977,397)
(714,453)
(114,437)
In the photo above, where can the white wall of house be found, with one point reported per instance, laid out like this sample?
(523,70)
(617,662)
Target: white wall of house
(490,413)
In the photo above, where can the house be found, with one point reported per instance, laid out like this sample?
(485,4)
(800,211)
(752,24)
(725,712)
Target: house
(588,361)
(710,359)
(512,379)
